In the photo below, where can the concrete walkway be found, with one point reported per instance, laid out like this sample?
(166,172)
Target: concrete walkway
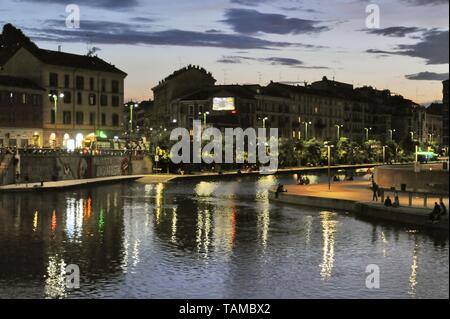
(22,187)
(356,197)
(358,191)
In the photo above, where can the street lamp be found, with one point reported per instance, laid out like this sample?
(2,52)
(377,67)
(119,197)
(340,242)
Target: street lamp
(132,106)
(412,135)
(384,153)
(55,101)
(264,121)
(306,129)
(391,132)
(204,117)
(367,129)
(339,130)
(329,146)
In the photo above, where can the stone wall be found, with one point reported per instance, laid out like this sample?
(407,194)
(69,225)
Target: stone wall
(34,168)
(431,178)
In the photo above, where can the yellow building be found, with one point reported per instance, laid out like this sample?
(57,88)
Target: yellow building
(83,94)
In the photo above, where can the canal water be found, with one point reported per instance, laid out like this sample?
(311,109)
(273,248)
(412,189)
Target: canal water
(207,240)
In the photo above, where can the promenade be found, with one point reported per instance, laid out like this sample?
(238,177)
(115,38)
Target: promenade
(356,197)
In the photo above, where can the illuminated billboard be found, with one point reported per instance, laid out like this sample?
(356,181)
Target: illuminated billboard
(223,104)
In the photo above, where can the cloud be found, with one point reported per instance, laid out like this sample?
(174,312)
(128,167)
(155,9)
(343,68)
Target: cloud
(104,32)
(235,59)
(395,31)
(248,21)
(249,3)
(426,2)
(433,47)
(427,76)
(105,4)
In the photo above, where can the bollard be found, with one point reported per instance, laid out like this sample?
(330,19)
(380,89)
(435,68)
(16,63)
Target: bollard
(425,201)
(410,199)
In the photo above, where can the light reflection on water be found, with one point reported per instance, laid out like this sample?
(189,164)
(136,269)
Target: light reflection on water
(207,240)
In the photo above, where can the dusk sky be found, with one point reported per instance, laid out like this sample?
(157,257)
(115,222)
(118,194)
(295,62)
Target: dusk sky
(253,41)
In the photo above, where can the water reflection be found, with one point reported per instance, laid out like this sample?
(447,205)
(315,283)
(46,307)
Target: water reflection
(202,240)
(328,233)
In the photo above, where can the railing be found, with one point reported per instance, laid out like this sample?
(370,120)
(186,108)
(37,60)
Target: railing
(425,196)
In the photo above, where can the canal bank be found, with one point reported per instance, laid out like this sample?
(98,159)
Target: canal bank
(165,178)
(354,197)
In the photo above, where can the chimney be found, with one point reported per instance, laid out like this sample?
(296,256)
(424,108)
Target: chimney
(59,48)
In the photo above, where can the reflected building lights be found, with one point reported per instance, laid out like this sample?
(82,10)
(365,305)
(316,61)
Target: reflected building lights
(308,225)
(328,233)
(55,283)
(159,202)
(414,268)
(203,231)
(53,224)
(173,237)
(35,220)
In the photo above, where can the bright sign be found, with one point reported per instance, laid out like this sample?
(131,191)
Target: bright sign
(224,104)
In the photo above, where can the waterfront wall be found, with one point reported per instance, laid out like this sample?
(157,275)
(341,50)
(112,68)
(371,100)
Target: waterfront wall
(431,178)
(404,215)
(59,167)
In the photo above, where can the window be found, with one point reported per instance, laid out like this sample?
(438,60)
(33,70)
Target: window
(115,120)
(103,119)
(92,120)
(80,118)
(67,117)
(115,100)
(52,117)
(115,86)
(80,83)
(91,84)
(53,79)
(103,85)
(67,97)
(66,81)
(92,99)
(79,98)
(103,100)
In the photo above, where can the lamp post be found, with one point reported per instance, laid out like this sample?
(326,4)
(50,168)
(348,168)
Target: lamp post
(339,131)
(391,132)
(306,129)
(384,154)
(132,106)
(412,135)
(329,146)
(204,117)
(367,129)
(55,106)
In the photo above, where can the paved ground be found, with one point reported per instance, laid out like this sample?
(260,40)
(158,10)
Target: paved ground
(66,184)
(356,190)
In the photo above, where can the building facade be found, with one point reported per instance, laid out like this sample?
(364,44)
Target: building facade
(20,112)
(83,94)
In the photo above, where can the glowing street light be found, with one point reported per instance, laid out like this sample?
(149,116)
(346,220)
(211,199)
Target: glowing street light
(367,129)
(339,130)
(132,106)
(55,101)
(306,129)
(329,147)
(391,132)
(204,117)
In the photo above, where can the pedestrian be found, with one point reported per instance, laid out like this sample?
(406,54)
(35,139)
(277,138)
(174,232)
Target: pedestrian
(375,191)
(435,214)
(396,203)
(388,202)
(280,189)
(443,208)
